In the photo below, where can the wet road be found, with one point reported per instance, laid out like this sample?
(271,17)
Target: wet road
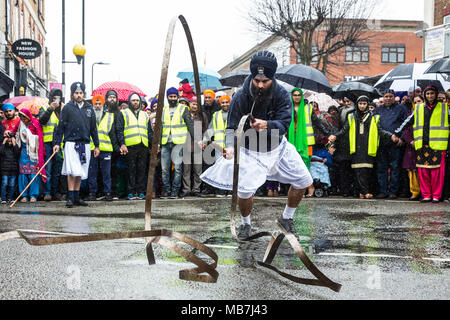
(375,249)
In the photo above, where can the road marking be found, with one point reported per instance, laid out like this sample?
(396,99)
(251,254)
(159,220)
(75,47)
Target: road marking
(367,255)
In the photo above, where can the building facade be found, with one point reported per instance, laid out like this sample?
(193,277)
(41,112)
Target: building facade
(25,19)
(387,44)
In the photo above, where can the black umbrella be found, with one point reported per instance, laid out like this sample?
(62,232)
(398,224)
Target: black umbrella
(442,66)
(304,77)
(235,78)
(357,88)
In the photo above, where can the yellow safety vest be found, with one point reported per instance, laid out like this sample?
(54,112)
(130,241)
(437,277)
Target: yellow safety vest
(309,126)
(219,128)
(374,137)
(136,131)
(104,128)
(50,127)
(439,127)
(175,127)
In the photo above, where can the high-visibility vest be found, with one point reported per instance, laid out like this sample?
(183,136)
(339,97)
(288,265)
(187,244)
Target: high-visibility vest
(175,127)
(135,131)
(439,127)
(104,128)
(50,127)
(309,126)
(374,137)
(219,128)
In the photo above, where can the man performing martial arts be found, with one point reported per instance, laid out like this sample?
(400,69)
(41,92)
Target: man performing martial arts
(265,154)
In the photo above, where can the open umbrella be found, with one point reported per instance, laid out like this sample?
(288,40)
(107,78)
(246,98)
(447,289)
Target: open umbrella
(235,78)
(17,101)
(123,89)
(411,75)
(357,88)
(304,77)
(208,77)
(442,66)
(33,105)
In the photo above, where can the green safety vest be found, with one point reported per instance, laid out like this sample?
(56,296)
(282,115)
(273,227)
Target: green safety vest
(175,127)
(50,127)
(219,128)
(309,126)
(104,128)
(136,131)
(439,127)
(374,137)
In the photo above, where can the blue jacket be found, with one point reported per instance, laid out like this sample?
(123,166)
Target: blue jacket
(276,109)
(77,125)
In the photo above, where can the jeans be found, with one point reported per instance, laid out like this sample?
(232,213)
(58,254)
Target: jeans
(103,164)
(11,183)
(166,165)
(388,158)
(33,190)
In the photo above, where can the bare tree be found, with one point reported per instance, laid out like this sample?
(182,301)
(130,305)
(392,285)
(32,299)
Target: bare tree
(316,29)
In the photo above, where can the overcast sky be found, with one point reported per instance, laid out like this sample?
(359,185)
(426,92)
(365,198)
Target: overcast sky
(130,35)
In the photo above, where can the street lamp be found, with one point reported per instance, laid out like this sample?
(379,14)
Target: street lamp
(92,72)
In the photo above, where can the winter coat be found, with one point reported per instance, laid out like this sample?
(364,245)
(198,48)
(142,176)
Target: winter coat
(9,160)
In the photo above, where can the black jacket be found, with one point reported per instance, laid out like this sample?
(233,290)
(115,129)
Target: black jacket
(276,109)
(9,160)
(44,116)
(77,125)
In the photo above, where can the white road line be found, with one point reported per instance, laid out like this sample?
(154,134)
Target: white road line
(367,255)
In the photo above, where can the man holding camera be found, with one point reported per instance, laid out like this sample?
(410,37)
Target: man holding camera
(49,120)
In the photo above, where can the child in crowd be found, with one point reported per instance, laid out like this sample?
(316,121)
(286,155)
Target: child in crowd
(320,162)
(9,155)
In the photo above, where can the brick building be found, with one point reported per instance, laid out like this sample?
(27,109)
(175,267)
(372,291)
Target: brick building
(441,12)
(25,19)
(388,43)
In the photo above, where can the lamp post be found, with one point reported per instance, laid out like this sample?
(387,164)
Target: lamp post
(92,73)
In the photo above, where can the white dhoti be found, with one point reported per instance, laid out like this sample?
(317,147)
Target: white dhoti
(283,164)
(72,164)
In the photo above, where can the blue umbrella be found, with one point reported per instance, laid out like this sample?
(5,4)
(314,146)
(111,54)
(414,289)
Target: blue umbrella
(208,77)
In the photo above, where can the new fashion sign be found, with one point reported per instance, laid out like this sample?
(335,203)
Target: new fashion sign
(27,49)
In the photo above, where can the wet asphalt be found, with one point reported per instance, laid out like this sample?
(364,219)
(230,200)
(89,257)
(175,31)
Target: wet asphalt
(375,249)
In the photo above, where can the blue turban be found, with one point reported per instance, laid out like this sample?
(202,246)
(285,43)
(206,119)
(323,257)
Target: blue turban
(263,65)
(8,106)
(77,86)
(172,91)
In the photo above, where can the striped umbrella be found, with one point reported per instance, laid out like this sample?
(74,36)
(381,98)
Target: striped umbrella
(123,89)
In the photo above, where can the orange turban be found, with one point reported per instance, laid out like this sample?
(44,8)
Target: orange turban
(211,93)
(225,98)
(98,97)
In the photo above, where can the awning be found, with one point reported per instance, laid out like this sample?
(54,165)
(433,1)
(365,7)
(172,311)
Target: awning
(6,84)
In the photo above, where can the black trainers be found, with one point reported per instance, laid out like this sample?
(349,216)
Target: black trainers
(108,197)
(91,197)
(288,225)
(80,203)
(69,204)
(244,232)
(174,195)
(164,195)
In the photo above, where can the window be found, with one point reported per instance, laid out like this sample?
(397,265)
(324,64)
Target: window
(359,53)
(314,51)
(447,19)
(393,53)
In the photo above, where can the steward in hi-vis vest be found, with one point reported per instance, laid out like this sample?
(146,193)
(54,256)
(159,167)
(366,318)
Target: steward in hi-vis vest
(134,133)
(364,133)
(431,129)
(177,124)
(49,120)
(108,143)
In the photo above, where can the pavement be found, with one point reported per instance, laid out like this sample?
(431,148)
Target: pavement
(377,249)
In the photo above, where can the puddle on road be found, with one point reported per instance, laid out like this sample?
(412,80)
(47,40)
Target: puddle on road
(323,231)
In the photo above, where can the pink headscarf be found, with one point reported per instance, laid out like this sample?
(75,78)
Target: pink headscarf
(35,128)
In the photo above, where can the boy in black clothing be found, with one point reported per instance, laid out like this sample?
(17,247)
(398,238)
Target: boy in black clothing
(9,154)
